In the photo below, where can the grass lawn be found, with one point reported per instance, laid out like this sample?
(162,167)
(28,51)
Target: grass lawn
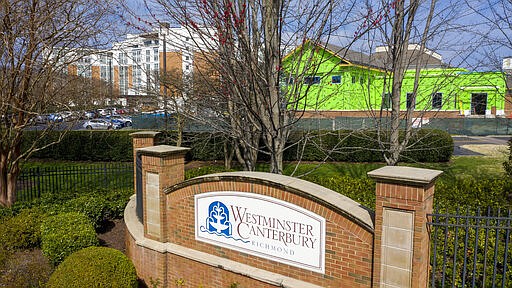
(458,167)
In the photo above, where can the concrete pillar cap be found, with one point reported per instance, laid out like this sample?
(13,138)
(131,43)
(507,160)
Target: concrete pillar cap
(418,176)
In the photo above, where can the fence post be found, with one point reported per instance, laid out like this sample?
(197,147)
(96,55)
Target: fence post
(404,197)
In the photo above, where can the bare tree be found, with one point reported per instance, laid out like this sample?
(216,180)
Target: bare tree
(40,39)
(244,42)
(397,26)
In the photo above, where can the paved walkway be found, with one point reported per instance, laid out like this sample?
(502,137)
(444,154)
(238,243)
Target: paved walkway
(459,141)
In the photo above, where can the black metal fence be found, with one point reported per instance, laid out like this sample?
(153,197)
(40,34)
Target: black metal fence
(33,182)
(471,248)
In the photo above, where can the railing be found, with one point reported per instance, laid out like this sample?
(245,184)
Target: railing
(471,249)
(34,182)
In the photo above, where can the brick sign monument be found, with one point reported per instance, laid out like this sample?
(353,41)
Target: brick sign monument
(253,229)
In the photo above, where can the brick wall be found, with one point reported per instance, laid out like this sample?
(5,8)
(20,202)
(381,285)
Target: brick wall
(348,251)
(359,251)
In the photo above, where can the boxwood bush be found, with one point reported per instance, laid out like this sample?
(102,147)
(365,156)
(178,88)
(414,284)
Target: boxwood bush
(65,233)
(94,267)
(22,231)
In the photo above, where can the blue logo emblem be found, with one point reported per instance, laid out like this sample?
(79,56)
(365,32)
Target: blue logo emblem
(218,219)
(218,222)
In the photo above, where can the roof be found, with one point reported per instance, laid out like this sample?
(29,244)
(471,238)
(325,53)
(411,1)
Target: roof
(381,58)
(414,57)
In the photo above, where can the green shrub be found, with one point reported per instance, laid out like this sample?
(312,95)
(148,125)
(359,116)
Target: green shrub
(84,145)
(95,207)
(427,145)
(99,206)
(507,165)
(22,231)
(94,267)
(471,192)
(361,190)
(116,200)
(66,233)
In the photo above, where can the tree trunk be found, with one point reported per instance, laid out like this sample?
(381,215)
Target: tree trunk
(228,155)
(8,179)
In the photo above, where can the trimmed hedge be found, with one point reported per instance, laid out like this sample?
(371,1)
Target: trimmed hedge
(23,230)
(427,145)
(84,145)
(95,267)
(65,233)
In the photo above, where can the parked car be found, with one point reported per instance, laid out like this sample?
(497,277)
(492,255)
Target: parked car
(41,119)
(90,115)
(55,117)
(107,111)
(125,121)
(100,124)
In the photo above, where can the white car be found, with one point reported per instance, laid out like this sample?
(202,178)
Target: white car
(127,121)
(100,124)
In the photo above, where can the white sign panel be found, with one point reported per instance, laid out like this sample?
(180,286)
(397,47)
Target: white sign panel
(262,226)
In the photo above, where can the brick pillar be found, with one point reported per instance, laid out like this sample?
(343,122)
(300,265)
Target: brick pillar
(140,140)
(143,139)
(404,197)
(162,166)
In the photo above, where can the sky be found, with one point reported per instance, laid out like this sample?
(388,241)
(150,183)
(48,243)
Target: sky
(467,33)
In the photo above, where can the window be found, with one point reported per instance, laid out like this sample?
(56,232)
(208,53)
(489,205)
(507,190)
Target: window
(437,100)
(136,56)
(410,101)
(84,71)
(136,76)
(123,80)
(104,73)
(123,58)
(148,77)
(312,80)
(155,54)
(148,56)
(336,79)
(354,79)
(386,101)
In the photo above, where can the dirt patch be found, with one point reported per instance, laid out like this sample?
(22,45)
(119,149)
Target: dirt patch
(113,235)
(488,149)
